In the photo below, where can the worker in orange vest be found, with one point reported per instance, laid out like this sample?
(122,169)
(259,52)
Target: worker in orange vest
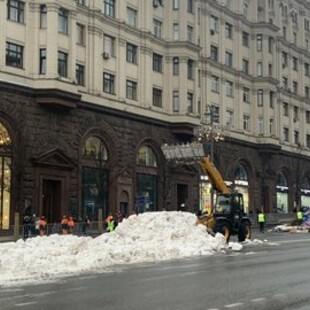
(42,225)
(64,225)
(70,224)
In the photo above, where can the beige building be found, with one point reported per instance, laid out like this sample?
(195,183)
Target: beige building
(91,89)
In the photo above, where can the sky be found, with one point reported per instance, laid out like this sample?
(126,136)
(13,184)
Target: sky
(148,237)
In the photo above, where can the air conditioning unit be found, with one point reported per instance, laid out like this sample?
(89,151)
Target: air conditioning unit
(106,55)
(212,32)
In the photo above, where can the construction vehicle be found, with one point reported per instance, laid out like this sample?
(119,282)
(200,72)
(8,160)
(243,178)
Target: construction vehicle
(228,216)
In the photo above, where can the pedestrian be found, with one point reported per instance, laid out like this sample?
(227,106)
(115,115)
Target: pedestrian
(85,224)
(42,225)
(36,220)
(299,217)
(261,221)
(110,223)
(64,225)
(27,226)
(70,225)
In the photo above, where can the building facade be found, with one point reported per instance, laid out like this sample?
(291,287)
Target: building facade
(91,89)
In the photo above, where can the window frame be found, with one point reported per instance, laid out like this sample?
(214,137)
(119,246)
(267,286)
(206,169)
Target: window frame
(131,90)
(17,51)
(62,64)
(16,11)
(108,83)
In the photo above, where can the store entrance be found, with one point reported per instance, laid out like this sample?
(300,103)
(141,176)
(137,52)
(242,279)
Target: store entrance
(51,196)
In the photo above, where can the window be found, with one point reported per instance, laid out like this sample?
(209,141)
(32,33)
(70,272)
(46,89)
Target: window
(245,39)
(42,69)
(296,137)
(175,65)
(190,103)
(213,24)
(175,101)
(190,6)
(306,24)
(285,109)
(246,94)
(108,83)
(190,34)
(16,11)
(131,53)
(109,45)
(229,118)
(270,44)
(284,59)
(214,53)
(260,98)
(80,29)
(308,141)
(260,125)
(214,83)
(295,63)
(62,64)
(272,98)
(228,31)
(131,90)
(43,16)
(285,83)
(246,122)
(270,70)
(175,4)
(229,89)
(228,59)
(295,37)
(79,74)
(175,32)
(284,32)
(245,9)
(295,87)
(296,114)
(308,117)
(157,62)
(259,42)
(307,69)
(190,69)
(157,28)
(81,2)
(286,134)
(109,8)
(271,126)
(307,92)
(259,69)
(307,45)
(157,97)
(245,66)
(63,21)
(14,55)
(131,17)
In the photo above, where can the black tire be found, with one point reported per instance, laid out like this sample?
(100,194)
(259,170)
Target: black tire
(224,229)
(244,232)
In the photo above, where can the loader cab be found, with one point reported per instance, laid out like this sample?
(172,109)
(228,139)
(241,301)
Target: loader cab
(229,204)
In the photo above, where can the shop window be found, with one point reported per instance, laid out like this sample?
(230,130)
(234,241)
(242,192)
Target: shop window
(5,177)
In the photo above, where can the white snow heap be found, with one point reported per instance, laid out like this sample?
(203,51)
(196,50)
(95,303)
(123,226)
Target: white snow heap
(146,237)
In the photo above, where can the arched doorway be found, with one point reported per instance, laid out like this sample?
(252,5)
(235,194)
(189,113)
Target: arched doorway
(282,193)
(5,177)
(146,180)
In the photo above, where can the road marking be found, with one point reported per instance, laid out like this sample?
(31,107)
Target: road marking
(258,299)
(26,304)
(234,305)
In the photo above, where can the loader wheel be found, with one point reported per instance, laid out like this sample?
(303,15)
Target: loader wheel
(224,229)
(244,232)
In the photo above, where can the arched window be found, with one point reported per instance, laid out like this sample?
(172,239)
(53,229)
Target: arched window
(95,149)
(5,177)
(281,180)
(146,157)
(146,180)
(240,173)
(94,178)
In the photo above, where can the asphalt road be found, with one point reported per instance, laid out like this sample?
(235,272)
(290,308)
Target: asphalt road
(272,276)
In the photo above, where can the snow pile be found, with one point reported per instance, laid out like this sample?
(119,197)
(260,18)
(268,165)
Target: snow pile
(146,237)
